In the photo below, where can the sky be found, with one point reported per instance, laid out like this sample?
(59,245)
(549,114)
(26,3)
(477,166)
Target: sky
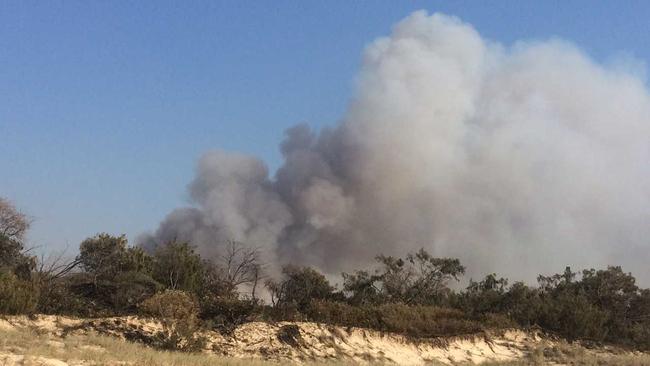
(105,107)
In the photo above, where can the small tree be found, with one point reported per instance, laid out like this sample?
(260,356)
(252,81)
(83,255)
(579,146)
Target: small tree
(178,267)
(362,288)
(241,267)
(299,286)
(417,279)
(103,256)
(522,303)
(432,276)
(486,296)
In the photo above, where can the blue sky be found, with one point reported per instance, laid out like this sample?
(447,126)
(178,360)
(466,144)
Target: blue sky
(105,106)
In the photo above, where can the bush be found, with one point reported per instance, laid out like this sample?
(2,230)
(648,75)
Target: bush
(13,258)
(226,314)
(178,311)
(103,255)
(177,267)
(416,321)
(17,296)
(57,298)
(131,289)
(299,286)
(419,278)
(497,321)
(573,317)
(171,305)
(288,312)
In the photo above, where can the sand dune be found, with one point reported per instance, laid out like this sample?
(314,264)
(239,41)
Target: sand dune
(60,341)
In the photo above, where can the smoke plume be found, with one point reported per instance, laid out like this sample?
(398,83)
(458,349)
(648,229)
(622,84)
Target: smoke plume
(516,159)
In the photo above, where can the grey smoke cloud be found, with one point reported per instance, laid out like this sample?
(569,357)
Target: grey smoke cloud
(516,159)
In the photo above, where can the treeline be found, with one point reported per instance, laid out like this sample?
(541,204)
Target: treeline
(409,295)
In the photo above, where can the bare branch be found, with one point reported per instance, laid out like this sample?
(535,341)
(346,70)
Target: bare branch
(242,265)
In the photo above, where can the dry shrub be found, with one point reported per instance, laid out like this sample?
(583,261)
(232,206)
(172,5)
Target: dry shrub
(171,305)
(58,298)
(225,314)
(17,296)
(417,321)
(178,311)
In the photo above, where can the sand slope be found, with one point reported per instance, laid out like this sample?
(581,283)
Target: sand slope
(297,342)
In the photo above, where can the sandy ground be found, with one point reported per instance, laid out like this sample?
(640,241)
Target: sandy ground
(281,343)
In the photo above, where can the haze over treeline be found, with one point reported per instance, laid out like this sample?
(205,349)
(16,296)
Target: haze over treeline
(517,159)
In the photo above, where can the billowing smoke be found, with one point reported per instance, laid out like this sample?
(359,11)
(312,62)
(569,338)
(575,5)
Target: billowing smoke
(518,160)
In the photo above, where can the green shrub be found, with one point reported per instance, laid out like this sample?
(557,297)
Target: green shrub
(299,286)
(419,278)
(131,289)
(573,317)
(17,296)
(178,267)
(103,255)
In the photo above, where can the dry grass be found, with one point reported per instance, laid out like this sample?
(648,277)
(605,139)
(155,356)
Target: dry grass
(38,349)
(564,354)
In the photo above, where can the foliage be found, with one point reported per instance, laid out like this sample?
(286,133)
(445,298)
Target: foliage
(14,259)
(214,284)
(171,305)
(299,286)
(59,298)
(225,314)
(601,305)
(13,223)
(131,289)
(178,267)
(18,291)
(178,311)
(418,279)
(413,320)
(409,295)
(103,255)
(485,296)
(17,296)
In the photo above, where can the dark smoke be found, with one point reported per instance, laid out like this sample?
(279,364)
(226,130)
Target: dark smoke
(517,160)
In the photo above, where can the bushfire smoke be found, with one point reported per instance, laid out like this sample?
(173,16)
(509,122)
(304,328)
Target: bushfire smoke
(516,159)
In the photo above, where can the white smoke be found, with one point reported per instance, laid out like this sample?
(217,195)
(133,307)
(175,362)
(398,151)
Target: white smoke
(518,160)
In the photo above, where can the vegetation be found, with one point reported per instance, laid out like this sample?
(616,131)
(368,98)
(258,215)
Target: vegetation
(90,349)
(178,311)
(104,350)
(417,279)
(409,295)
(299,287)
(568,354)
